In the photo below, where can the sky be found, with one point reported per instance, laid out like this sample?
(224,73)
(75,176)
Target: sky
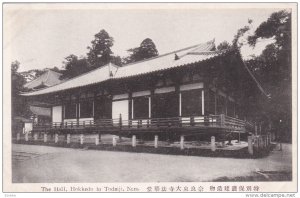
(40,38)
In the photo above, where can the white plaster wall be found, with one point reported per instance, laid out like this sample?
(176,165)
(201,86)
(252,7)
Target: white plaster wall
(57,114)
(28,127)
(85,119)
(120,107)
(164,90)
(120,96)
(70,120)
(141,93)
(191,86)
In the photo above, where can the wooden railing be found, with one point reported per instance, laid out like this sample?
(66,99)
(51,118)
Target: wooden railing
(220,121)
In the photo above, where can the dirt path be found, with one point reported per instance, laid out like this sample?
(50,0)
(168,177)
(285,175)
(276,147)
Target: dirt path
(37,164)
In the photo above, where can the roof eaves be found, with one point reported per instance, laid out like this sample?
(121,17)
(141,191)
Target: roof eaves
(29,93)
(26,93)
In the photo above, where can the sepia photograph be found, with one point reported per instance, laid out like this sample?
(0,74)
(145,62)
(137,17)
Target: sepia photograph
(142,97)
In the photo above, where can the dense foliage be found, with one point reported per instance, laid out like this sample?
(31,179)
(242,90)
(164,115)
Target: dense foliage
(18,104)
(147,49)
(273,68)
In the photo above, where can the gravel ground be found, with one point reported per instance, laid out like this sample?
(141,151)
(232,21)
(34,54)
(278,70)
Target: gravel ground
(43,164)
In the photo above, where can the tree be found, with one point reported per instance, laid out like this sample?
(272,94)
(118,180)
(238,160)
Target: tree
(223,46)
(147,49)
(18,103)
(117,60)
(56,69)
(100,52)
(273,67)
(239,34)
(278,26)
(74,66)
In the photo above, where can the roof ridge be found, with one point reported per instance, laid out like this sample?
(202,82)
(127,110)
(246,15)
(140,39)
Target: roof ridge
(41,76)
(30,82)
(46,76)
(168,53)
(209,52)
(50,70)
(208,42)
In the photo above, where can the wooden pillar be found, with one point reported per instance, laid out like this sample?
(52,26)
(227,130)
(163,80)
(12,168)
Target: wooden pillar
(226,103)
(180,107)
(120,121)
(35,136)
(261,145)
(255,128)
(63,113)
(149,100)
(206,106)
(203,109)
(18,136)
(94,108)
(181,142)
(45,137)
(97,139)
(81,138)
(280,146)
(216,96)
(68,138)
(132,109)
(56,138)
(78,109)
(234,113)
(222,117)
(256,145)
(250,145)
(114,141)
(99,135)
(213,143)
(133,141)
(259,128)
(130,106)
(26,136)
(156,141)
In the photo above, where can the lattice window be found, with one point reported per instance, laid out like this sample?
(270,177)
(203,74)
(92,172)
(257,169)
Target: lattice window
(140,107)
(191,102)
(70,111)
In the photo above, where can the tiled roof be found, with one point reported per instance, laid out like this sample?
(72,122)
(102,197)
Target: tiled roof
(167,61)
(190,55)
(47,79)
(89,78)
